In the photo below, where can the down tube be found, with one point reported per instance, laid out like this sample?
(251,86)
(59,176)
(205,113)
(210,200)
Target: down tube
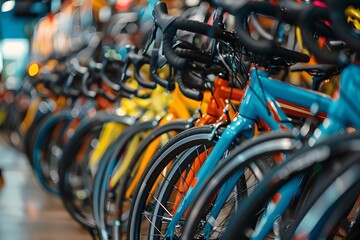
(239,124)
(288,191)
(220,200)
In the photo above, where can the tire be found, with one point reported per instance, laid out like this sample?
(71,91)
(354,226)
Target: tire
(122,202)
(194,139)
(104,198)
(31,134)
(45,158)
(328,222)
(290,171)
(253,156)
(79,206)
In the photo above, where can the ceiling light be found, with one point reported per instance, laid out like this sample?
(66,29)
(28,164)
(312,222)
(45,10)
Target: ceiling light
(8,6)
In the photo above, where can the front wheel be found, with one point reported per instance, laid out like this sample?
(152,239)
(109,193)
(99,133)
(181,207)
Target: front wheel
(148,214)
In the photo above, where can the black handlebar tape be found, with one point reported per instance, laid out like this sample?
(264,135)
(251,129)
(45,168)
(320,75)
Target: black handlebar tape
(307,20)
(195,81)
(170,54)
(109,83)
(85,90)
(190,93)
(145,96)
(139,62)
(167,84)
(125,94)
(263,8)
(339,23)
(164,21)
(170,24)
(173,23)
(196,55)
(127,89)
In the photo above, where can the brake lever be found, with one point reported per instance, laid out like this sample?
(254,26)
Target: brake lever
(150,39)
(124,77)
(87,92)
(139,61)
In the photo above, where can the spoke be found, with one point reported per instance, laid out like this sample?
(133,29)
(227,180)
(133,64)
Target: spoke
(160,234)
(174,186)
(167,211)
(230,205)
(206,150)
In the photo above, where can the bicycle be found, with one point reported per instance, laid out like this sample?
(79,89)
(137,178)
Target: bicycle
(282,203)
(266,87)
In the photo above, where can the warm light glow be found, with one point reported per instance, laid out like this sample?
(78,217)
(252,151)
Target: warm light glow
(123,5)
(33,69)
(8,6)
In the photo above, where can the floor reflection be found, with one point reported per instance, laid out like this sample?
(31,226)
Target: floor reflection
(26,212)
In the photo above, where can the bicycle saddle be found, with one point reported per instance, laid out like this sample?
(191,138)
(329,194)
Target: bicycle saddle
(318,69)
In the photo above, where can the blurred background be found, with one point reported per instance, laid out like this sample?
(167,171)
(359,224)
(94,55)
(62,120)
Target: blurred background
(17,22)
(34,36)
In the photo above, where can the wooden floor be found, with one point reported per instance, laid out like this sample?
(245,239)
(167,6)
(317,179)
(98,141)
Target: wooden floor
(27,212)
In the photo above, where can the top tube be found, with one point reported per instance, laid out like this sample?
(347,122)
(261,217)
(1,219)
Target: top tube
(293,95)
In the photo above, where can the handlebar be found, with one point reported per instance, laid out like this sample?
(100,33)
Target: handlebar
(196,55)
(242,14)
(170,24)
(291,11)
(87,92)
(307,24)
(190,93)
(167,84)
(139,61)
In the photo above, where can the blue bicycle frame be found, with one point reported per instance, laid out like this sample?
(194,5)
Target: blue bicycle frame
(343,112)
(259,102)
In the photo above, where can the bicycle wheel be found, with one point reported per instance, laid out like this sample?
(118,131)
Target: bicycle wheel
(104,194)
(180,152)
(124,200)
(29,138)
(48,148)
(284,178)
(247,164)
(76,180)
(322,206)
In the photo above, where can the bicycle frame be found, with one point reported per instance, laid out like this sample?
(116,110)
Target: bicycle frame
(214,113)
(259,102)
(155,109)
(342,113)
